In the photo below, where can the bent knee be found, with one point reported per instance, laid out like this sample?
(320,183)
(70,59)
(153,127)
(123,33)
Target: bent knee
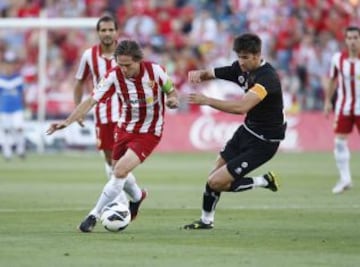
(120,173)
(218,185)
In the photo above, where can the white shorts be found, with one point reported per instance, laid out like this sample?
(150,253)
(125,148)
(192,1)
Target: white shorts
(13,120)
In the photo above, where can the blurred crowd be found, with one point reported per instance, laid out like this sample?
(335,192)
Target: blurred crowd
(299,38)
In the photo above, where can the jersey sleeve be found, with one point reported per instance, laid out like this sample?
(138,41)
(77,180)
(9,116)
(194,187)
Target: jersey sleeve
(164,79)
(104,89)
(229,73)
(83,68)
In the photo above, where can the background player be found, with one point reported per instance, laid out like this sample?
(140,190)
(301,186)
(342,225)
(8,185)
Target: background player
(12,106)
(345,77)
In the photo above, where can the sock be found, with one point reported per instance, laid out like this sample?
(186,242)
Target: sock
(342,158)
(6,144)
(20,142)
(260,181)
(122,198)
(132,188)
(242,184)
(108,170)
(210,199)
(112,189)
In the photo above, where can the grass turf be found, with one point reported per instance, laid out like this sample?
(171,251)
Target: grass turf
(43,198)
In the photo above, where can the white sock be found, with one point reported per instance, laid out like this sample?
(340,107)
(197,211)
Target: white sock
(6,145)
(112,189)
(207,217)
(342,158)
(260,181)
(132,188)
(20,142)
(108,170)
(122,198)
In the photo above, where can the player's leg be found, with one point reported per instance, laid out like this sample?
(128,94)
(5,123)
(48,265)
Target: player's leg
(242,154)
(105,133)
(142,145)
(258,153)
(6,121)
(343,127)
(112,188)
(122,198)
(342,159)
(19,136)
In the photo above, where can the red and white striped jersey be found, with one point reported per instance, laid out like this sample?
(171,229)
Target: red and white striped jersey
(92,63)
(142,99)
(347,72)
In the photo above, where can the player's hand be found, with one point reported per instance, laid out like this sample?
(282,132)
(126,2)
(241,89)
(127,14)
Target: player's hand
(328,107)
(56,126)
(198,99)
(194,76)
(172,102)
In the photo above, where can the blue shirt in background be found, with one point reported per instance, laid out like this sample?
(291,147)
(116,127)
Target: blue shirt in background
(11,93)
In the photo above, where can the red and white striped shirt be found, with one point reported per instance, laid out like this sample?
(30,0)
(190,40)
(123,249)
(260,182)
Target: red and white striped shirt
(141,98)
(92,62)
(347,71)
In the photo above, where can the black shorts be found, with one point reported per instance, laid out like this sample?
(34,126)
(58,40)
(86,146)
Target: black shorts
(244,152)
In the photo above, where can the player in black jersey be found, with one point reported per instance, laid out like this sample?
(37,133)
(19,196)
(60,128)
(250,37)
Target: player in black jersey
(257,139)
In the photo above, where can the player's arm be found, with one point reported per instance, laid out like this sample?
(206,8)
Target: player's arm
(328,95)
(78,94)
(172,98)
(253,97)
(197,76)
(78,91)
(80,111)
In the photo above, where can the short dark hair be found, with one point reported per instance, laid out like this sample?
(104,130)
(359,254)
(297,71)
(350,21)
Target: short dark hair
(129,48)
(248,43)
(106,18)
(352,29)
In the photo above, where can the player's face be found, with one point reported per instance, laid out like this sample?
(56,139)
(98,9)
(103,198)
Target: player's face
(129,67)
(352,40)
(248,61)
(107,33)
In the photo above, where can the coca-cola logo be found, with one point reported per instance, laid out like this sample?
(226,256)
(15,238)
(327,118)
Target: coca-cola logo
(206,133)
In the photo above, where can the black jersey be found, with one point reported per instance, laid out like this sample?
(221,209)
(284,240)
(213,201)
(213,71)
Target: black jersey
(266,119)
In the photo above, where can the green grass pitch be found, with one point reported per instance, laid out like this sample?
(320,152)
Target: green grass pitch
(43,198)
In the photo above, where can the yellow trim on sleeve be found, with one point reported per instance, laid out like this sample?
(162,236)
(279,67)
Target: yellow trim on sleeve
(259,90)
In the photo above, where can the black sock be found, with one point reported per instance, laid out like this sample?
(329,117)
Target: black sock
(210,199)
(241,184)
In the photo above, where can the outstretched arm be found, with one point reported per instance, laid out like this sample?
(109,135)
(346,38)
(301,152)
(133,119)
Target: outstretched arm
(197,76)
(78,94)
(242,106)
(80,111)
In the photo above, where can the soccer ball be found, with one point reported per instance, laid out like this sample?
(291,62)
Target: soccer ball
(115,217)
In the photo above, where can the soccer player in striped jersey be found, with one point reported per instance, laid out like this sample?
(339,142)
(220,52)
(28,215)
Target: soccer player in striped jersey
(345,80)
(257,140)
(144,89)
(12,106)
(94,63)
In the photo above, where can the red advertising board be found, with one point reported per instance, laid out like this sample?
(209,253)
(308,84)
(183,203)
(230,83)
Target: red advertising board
(197,132)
